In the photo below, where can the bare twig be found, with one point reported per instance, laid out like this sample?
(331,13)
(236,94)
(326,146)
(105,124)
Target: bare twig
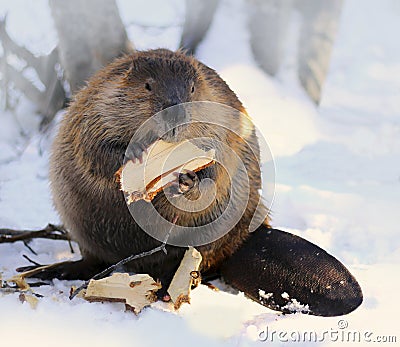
(110,269)
(31,261)
(48,101)
(20,51)
(24,84)
(26,244)
(51,231)
(8,289)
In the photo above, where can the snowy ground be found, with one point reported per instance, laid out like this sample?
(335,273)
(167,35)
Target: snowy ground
(337,184)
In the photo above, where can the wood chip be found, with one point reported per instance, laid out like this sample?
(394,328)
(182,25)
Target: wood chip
(136,291)
(20,280)
(30,299)
(185,277)
(144,180)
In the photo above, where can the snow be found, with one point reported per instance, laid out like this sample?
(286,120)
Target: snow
(264,295)
(337,182)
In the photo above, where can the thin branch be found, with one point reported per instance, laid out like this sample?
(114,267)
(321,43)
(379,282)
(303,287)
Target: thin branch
(110,269)
(24,85)
(51,231)
(6,288)
(31,261)
(22,52)
(26,244)
(48,101)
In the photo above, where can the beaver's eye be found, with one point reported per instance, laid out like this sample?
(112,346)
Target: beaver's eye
(148,86)
(192,91)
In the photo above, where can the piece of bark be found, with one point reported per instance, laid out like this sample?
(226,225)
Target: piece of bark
(136,291)
(145,179)
(185,277)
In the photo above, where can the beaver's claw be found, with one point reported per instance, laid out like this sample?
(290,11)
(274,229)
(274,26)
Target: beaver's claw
(135,152)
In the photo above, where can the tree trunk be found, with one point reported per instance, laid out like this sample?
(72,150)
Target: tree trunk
(198,18)
(90,33)
(317,37)
(268,23)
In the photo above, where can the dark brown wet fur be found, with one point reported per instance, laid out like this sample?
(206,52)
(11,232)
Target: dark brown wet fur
(90,147)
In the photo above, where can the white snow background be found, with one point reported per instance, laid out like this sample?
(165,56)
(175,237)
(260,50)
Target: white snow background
(337,183)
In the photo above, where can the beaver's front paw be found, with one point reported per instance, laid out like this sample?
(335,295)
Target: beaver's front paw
(186,181)
(135,152)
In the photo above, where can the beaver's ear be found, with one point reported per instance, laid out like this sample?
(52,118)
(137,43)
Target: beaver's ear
(280,270)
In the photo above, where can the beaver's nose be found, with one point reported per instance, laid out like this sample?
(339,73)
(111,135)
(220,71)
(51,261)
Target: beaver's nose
(174,115)
(170,102)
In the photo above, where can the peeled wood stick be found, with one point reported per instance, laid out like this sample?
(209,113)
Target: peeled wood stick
(185,277)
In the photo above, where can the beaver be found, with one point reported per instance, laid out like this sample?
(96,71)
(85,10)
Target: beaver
(90,147)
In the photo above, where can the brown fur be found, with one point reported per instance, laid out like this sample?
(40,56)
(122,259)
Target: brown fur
(90,147)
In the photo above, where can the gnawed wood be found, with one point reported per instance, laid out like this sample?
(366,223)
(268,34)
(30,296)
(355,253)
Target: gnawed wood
(136,291)
(185,278)
(20,282)
(124,261)
(145,179)
(20,279)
